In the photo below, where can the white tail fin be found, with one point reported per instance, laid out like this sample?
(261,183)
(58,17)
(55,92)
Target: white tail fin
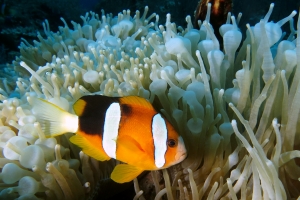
(54,120)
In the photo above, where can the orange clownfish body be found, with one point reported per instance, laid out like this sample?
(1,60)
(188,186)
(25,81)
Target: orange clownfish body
(128,129)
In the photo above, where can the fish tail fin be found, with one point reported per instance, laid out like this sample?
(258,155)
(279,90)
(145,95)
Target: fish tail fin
(54,120)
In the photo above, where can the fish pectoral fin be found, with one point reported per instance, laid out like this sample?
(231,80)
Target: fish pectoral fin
(124,173)
(130,143)
(88,149)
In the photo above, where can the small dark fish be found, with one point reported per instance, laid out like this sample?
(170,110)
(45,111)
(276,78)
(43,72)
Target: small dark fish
(218,16)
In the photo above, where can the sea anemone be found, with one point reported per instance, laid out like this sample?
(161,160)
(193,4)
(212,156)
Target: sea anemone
(236,108)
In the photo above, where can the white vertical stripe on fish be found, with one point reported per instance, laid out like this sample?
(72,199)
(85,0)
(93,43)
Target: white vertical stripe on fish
(160,135)
(111,129)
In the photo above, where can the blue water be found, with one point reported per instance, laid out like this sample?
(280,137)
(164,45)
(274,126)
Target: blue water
(88,4)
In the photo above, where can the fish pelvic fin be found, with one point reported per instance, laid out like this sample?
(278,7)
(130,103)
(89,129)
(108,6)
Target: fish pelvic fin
(124,173)
(53,119)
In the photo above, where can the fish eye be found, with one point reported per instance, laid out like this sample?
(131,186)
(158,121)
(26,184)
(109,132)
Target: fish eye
(171,143)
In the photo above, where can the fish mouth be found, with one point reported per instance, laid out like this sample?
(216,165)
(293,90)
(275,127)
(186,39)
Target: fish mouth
(181,151)
(180,157)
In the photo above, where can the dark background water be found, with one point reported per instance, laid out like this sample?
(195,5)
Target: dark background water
(23,18)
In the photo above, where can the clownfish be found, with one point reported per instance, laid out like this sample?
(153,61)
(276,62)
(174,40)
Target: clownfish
(127,129)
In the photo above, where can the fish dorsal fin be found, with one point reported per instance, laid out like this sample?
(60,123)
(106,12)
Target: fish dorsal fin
(91,105)
(88,149)
(136,101)
(79,106)
(124,173)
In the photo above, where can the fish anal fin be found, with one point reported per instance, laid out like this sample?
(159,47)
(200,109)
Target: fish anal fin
(124,173)
(88,149)
(79,106)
